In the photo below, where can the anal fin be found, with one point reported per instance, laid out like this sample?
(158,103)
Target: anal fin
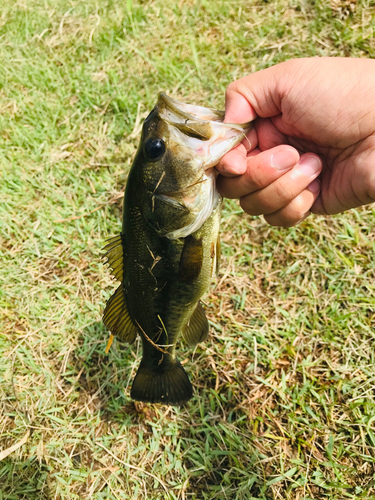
(117,319)
(196,329)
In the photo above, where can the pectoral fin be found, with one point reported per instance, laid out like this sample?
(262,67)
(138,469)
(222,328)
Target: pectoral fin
(196,329)
(116,317)
(115,256)
(191,260)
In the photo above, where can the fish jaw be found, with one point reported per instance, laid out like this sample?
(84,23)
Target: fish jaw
(199,134)
(201,130)
(183,110)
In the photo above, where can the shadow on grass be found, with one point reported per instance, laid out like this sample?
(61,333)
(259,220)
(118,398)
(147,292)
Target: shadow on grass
(209,450)
(104,378)
(24,480)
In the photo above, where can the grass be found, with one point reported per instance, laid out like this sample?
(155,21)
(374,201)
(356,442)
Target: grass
(284,399)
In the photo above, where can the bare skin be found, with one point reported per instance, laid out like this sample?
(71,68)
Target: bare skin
(313,145)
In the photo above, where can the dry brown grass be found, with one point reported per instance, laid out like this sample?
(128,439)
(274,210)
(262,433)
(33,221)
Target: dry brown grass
(284,400)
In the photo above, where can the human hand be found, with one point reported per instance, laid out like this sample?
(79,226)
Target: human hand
(312,148)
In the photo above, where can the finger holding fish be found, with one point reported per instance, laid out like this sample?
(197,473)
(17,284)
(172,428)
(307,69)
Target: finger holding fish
(262,169)
(234,162)
(282,191)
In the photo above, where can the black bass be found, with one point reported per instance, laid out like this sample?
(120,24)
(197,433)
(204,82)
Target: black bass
(168,250)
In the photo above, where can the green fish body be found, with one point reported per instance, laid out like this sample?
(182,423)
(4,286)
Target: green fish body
(168,251)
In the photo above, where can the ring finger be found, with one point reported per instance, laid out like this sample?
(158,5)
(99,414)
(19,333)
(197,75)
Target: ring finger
(297,210)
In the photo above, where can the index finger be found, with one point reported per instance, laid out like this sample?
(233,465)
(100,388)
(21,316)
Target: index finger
(235,161)
(263,168)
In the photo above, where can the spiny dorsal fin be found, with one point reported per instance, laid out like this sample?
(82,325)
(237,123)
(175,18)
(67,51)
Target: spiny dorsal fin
(116,317)
(196,330)
(115,256)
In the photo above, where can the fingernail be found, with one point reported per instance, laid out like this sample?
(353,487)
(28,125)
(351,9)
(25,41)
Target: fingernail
(310,166)
(283,160)
(314,186)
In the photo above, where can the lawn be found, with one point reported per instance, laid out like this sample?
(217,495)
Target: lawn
(284,401)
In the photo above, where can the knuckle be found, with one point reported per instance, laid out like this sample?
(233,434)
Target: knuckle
(298,207)
(280,220)
(231,89)
(293,213)
(272,221)
(290,223)
(249,207)
(283,192)
(254,177)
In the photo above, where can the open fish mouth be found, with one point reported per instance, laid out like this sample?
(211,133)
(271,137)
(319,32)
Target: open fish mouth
(200,129)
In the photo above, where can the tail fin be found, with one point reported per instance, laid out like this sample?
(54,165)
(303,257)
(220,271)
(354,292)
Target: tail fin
(168,383)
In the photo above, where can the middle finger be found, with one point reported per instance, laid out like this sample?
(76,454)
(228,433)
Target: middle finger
(282,191)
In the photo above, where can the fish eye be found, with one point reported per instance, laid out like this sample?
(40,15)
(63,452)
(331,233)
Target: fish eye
(154,148)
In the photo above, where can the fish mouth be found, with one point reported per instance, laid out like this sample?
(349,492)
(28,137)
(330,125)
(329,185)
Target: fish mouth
(200,129)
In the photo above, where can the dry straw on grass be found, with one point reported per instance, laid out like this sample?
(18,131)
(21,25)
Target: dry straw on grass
(284,401)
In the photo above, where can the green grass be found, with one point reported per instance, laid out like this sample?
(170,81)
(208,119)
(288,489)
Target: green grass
(284,405)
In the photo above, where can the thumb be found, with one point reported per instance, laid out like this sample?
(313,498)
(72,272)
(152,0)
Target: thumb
(237,107)
(258,94)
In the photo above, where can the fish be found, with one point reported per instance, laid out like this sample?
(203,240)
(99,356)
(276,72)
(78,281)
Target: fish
(169,248)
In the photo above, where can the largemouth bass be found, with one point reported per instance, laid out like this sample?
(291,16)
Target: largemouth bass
(168,250)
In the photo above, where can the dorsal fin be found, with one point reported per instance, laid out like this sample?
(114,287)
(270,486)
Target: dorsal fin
(117,319)
(115,256)
(196,329)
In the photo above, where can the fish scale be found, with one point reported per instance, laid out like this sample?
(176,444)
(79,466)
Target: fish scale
(168,250)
